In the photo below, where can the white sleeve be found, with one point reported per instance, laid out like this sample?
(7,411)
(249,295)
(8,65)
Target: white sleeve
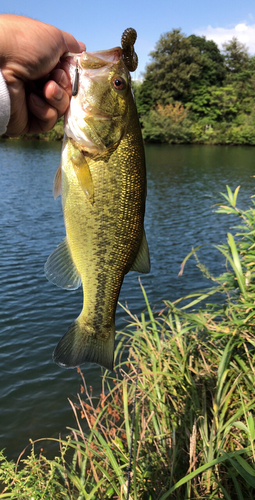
(5,105)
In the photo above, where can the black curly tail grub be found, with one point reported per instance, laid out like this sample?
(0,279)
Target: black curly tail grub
(127,42)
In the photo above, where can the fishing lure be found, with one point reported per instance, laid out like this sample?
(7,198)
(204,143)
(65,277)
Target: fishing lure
(127,43)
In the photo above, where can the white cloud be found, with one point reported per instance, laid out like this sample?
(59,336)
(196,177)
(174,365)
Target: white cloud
(244,32)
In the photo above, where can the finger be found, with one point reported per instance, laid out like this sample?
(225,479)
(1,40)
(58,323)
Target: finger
(82,46)
(56,97)
(61,77)
(43,116)
(63,64)
(72,45)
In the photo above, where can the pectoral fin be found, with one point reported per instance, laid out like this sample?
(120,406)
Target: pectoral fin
(142,261)
(60,269)
(83,174)
(57,188)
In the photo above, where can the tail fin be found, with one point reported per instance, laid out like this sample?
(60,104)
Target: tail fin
(78,346)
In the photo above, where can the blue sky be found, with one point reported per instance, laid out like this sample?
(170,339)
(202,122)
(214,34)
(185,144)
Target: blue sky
(100,23)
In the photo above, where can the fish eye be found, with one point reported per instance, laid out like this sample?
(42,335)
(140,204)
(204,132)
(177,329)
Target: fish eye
(119,83)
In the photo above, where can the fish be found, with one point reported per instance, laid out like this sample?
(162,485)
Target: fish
(102,181)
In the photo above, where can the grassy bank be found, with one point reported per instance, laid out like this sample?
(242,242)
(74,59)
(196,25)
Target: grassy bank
(176,419)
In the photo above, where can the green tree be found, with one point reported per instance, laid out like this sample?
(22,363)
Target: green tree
(212,62)
(175,65)
(168,124)
(143,95)
(216,103)
(241,73)
(236,57)
(180,66)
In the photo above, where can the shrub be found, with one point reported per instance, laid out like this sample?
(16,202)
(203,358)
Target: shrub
(168,124)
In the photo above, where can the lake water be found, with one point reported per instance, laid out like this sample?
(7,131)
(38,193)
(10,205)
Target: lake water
(183,185)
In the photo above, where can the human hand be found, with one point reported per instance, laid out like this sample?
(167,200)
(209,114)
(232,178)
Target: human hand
(39,88)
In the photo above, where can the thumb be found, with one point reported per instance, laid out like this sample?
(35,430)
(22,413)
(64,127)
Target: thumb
(71,44)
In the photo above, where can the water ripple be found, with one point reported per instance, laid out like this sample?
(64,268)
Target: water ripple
(183,184)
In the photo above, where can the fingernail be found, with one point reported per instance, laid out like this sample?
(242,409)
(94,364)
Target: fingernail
(58,94)
(64,81)
(37,101)
(82,46)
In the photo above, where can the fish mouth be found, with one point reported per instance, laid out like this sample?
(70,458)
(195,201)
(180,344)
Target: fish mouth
(99,59)
(94,60)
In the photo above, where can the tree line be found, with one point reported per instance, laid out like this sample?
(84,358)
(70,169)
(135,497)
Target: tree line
(193,92)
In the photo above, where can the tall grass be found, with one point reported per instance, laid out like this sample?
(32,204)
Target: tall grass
(176,419)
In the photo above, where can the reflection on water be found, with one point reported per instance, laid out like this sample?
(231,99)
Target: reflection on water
(183,185)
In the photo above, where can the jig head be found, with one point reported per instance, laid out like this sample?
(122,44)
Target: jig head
(76,80)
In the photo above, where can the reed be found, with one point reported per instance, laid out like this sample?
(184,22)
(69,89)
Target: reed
(176,419)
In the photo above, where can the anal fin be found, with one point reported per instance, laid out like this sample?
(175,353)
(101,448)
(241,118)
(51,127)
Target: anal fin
(60,268)
(142,260)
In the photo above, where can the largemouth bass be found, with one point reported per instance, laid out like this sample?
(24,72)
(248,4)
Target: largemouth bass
(102,180)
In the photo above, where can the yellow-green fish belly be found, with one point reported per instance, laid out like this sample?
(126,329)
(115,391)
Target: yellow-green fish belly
(104,236)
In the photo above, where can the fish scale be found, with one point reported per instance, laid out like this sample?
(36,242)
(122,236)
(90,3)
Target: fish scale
(103,185)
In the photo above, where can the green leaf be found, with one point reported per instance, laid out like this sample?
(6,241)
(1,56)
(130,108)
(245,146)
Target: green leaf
(250,423)
(247,476)
(240,425)
(245,465)
(193,251)
(203,468)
